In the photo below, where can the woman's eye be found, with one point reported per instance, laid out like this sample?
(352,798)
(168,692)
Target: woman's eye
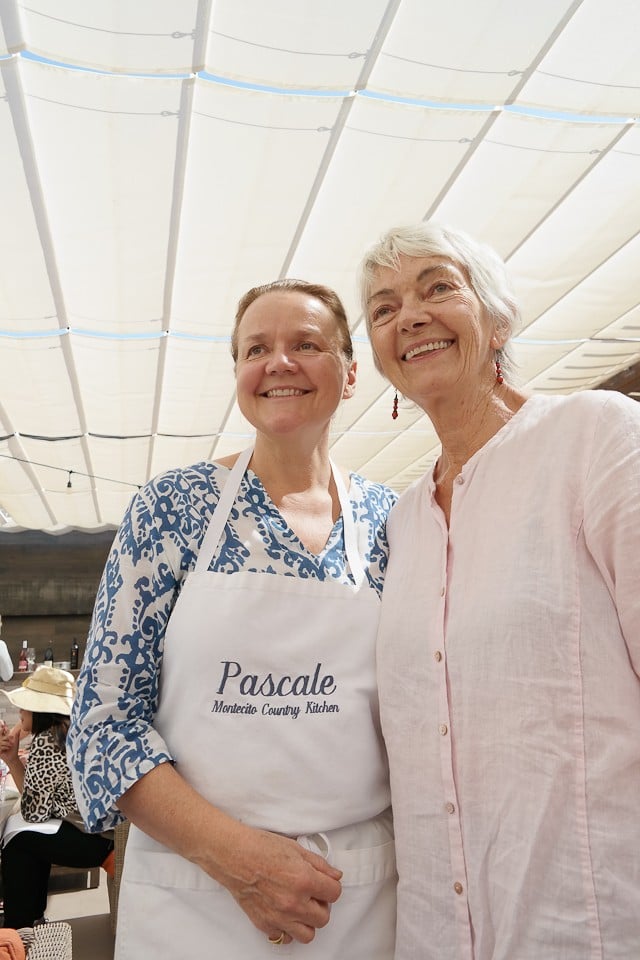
(255,350)
(307,345)
(440,289)
(380,314)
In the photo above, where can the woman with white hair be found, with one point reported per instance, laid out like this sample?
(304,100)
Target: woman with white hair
(509,641)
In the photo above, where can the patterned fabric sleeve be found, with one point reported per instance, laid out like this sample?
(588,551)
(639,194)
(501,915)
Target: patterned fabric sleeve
(111,741)
(371,504)
(47,790)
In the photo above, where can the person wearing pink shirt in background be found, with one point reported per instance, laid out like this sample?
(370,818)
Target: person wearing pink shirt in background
(509,642)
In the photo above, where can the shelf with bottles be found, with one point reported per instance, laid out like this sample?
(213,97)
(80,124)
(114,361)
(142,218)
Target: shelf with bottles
(28,661)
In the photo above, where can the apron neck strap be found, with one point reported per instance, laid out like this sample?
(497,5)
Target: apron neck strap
(222,511)
(349,528)
(225,503)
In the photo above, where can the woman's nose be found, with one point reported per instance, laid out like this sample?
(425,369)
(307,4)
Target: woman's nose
(413,314)
(279,362)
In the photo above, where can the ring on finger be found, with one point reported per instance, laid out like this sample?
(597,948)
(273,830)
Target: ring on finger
(276,941)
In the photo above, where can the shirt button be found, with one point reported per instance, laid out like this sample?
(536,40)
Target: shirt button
(443,729)
(438,656)
(459,479)
(458,887)
(449,807)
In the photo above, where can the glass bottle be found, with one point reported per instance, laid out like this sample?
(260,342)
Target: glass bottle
(23,666)
(74,654)
(48,657)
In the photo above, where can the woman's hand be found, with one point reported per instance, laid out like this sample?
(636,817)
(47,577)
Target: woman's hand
(9,742)
(281,887)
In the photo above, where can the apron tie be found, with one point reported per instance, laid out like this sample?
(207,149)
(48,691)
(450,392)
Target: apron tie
(316,843)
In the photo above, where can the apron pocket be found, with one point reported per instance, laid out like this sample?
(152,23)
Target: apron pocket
(365,852)
(368,865)
(148,861)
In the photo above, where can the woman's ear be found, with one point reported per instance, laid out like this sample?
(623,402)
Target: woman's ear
(501,333)
(350,384)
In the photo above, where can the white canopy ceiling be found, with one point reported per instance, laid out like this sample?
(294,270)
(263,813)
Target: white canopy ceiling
(160,157)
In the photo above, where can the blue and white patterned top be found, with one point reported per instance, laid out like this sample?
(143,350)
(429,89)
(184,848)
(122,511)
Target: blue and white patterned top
(112,741)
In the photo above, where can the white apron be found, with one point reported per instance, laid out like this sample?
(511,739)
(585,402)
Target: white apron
(268,703)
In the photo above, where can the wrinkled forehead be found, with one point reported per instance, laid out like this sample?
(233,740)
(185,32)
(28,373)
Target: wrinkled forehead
(385,280)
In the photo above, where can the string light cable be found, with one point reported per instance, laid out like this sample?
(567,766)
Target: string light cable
(77,473)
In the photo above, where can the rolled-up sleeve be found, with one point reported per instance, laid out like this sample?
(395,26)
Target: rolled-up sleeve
(112,742)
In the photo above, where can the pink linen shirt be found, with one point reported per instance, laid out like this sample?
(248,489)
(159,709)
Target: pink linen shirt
(509,655)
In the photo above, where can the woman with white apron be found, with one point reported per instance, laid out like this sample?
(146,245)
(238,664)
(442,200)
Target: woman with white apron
(227,703)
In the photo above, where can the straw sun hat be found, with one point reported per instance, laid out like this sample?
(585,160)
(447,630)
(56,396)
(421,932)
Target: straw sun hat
(46,690)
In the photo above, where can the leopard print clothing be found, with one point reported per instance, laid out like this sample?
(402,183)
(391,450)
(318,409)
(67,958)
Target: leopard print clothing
(48,791)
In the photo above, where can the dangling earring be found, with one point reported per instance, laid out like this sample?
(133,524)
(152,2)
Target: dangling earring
(394,412)
(499,377)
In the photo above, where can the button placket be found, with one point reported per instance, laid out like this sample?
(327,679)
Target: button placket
(450,810)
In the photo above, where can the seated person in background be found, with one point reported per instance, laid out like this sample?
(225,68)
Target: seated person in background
(48,828)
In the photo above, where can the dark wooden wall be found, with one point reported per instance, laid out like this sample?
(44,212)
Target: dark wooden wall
(48,586)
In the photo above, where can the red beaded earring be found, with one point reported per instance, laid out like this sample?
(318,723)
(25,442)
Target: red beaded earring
(394,412)
(499,377)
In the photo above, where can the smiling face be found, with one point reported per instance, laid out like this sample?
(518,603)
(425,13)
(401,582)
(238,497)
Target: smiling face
(429,331)
(291,371)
